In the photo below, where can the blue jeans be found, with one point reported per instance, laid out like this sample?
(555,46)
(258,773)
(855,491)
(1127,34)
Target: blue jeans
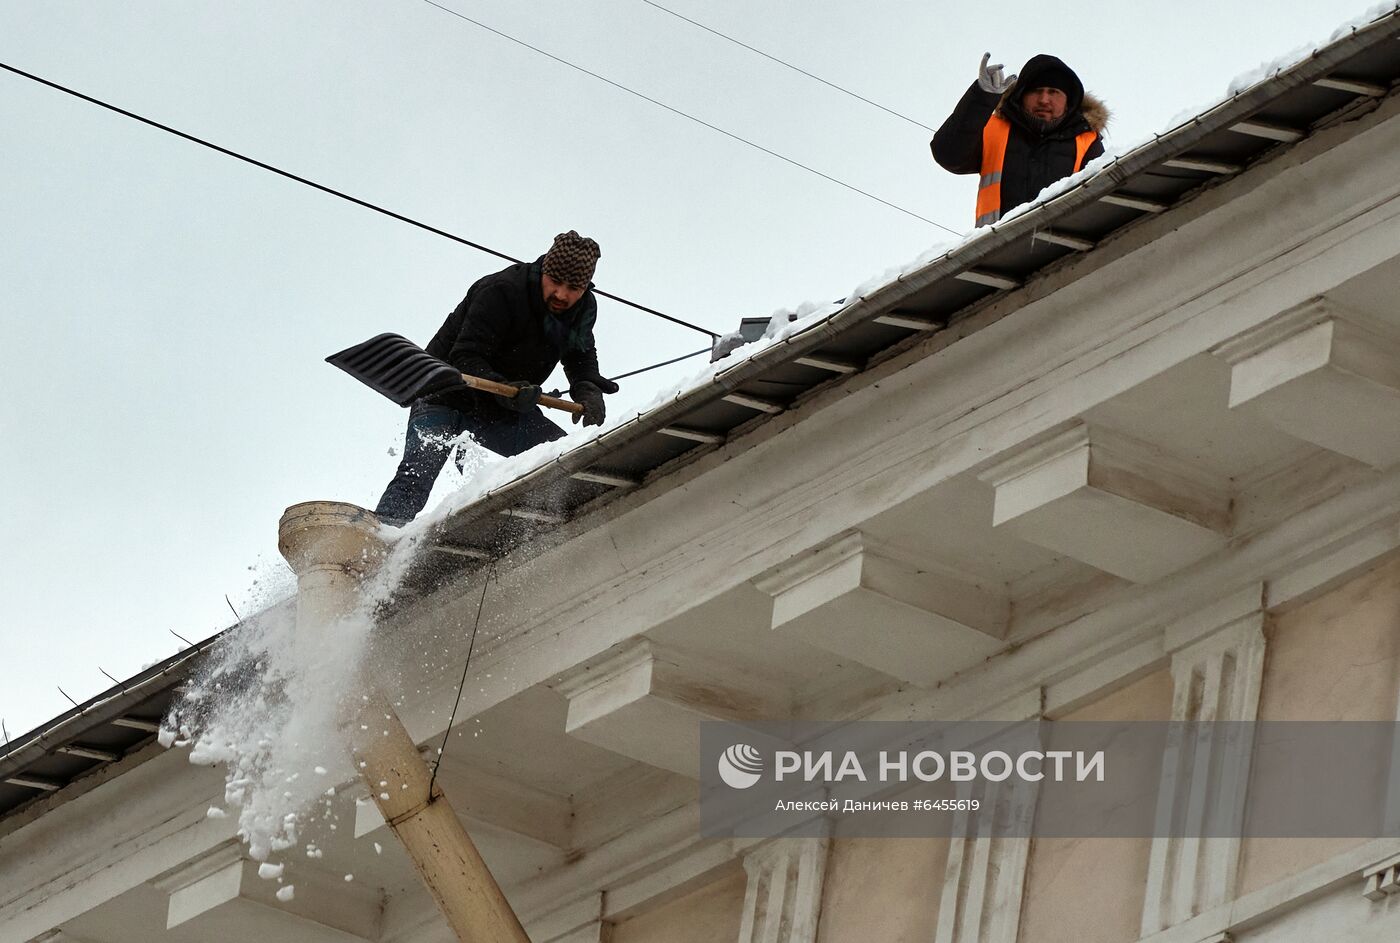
(431,429)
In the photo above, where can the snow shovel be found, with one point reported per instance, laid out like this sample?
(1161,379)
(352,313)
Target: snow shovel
(403,371)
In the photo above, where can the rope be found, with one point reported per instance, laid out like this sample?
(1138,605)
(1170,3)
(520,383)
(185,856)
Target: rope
(664,363)
(655,366)
(471,644)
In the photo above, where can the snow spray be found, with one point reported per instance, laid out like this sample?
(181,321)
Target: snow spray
(271,704)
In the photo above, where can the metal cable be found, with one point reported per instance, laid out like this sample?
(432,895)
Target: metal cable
(325,189)
(471,644)
(664,363)
(789,65)
(656,366)
(690,117)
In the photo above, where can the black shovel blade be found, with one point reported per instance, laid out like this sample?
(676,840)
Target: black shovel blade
(396,367)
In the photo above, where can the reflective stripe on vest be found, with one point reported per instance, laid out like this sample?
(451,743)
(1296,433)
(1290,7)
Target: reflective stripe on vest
(995,133)
(994,137)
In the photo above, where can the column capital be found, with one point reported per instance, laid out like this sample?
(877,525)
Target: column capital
(783,899)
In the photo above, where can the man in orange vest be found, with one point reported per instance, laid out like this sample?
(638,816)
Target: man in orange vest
(1020,135)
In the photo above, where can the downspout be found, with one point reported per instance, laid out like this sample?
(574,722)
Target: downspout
(332,547)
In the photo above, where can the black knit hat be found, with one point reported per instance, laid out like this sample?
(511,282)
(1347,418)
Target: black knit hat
(1056,78)
(1045,71)
(571,259)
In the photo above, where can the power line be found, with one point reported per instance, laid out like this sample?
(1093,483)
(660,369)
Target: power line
(690,117)
(325,189)
(789,65)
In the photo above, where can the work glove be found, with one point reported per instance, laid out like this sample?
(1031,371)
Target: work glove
(527,394)
(590,396)
(990,79)
(601,382)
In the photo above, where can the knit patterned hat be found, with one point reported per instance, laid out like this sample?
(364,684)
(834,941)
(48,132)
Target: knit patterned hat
(571,259)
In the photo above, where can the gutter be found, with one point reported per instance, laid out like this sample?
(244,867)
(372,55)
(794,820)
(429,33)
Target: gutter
(104,708)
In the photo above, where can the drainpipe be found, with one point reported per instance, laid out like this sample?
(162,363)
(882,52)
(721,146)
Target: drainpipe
(331,547)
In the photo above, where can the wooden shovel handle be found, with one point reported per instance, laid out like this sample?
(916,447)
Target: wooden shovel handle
(508,391)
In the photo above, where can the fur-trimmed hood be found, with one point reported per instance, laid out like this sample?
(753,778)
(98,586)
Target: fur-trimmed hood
(1095,113)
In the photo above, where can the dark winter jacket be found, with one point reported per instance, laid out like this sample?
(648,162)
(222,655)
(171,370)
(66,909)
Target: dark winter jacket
(503,331)
(1035,157)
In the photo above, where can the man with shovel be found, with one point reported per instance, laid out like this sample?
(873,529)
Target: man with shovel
(514,327)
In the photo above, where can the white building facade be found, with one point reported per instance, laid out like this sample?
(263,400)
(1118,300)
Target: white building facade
(1157,478)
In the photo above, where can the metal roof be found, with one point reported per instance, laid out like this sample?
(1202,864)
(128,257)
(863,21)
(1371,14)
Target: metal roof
(1338,79)
(111,726)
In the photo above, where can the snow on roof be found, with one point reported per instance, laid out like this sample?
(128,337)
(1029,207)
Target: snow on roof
(803,327)
(491,474)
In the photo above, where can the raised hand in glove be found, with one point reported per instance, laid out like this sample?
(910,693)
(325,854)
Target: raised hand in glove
(590,396)
(989,77)
(527,394)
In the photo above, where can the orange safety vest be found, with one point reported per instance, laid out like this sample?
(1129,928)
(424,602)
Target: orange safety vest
(994,136)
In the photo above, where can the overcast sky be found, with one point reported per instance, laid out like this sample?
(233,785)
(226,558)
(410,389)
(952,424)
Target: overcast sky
(166,309)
